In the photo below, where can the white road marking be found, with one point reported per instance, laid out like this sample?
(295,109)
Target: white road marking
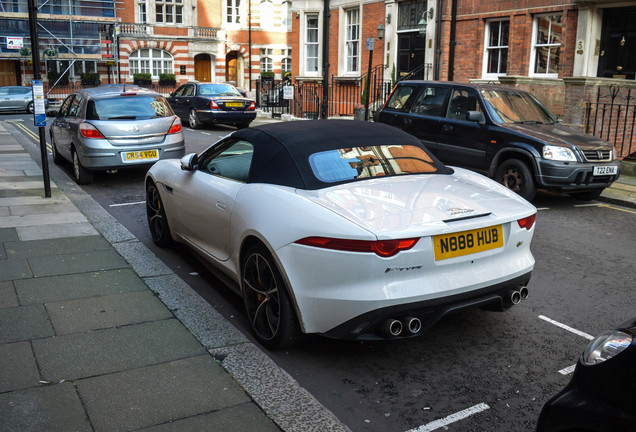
(568,370)
(127,204)
(568,328)
(588,205)
(543,208)
(442,423)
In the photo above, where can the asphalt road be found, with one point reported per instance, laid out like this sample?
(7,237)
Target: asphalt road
(474,370)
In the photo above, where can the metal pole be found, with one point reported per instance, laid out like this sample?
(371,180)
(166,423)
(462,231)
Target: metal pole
(324,106)
(35,55)
(249,41)
(367,87)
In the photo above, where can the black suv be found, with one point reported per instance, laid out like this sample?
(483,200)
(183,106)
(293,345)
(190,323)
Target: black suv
(504,133)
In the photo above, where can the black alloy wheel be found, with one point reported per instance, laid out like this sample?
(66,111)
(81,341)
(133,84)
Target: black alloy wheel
(29,108)
(193,120)
(156,215)
(516,176)
(266,300)
(81,174)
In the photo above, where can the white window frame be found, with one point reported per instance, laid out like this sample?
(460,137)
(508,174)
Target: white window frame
(549,44)
(233,11)
(352,41)
(266,62)
(266,11)
(286,15)
(150,60)
(142,12)
(169,12)
(310,44)
(495,49)
(286,61)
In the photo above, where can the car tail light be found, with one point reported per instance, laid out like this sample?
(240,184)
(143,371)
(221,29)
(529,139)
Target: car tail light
(527,222)
(252,106)
(383,248)
(87,130)
(214,105)
(176,126)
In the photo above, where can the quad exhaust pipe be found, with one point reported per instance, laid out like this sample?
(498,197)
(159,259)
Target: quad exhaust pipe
(394,327)
(515,296)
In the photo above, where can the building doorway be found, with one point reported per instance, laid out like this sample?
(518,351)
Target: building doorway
(411,52)
(617,58)
(9,73)
(203,68)
(231,66)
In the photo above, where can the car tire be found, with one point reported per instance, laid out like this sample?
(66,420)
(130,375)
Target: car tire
(57,158)
(266,300)
(82,175)
(516,176)
(29,108)
(193,120)
(587,195)
(156,215)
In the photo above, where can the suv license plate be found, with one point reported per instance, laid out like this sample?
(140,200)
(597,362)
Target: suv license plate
(467,242)
(605,170)
(140,155)
(234,104)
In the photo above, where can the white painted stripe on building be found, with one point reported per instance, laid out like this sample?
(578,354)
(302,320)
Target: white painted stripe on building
(568,328)
(442,423)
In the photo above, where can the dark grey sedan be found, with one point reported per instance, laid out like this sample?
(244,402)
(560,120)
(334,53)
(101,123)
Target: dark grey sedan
(211,103)
(112,127)
(17,98)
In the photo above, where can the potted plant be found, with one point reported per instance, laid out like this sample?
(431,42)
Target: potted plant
(25,51)
(142,79)
(267,76)
(50,52)
(167,79)
(90,79)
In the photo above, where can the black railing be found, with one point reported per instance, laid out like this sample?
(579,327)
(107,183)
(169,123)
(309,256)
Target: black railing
(345,96)
(612,117)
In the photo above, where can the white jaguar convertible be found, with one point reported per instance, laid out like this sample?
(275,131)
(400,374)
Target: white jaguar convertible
(346,229)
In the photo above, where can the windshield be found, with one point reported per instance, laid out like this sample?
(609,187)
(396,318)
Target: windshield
(333,166)
(218,90)
(509,106)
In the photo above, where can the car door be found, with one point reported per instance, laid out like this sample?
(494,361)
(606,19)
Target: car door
(5,99)
(205,197)
(19,98)
(463,142)
(173,101)
(60,128)
(424,114)
(182,100)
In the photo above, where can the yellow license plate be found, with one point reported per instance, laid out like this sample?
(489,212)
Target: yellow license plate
(140,155)
(467,242)
(234,104)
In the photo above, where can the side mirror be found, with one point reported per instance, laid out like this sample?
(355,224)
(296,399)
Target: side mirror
(190,162)
(172,94)
(476,116)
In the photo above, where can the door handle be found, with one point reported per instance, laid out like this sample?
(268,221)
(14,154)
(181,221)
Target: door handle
(220,205)
(447,128)
(408,121)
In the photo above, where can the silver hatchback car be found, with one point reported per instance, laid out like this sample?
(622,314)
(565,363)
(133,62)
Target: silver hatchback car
(112,127)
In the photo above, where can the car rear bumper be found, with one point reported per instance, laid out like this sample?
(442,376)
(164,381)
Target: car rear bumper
(572,177)
(348,295)
(99,155)
(231,117)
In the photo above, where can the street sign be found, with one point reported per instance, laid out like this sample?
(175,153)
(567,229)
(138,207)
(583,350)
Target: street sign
(370,43)
(288,92)
(15,43)
(39,108)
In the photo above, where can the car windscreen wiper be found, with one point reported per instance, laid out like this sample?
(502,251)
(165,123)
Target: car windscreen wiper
(529,122)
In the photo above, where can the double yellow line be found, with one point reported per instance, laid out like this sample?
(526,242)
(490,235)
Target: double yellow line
(36,137)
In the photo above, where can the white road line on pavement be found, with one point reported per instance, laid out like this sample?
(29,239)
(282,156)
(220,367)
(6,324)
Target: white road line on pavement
(127,204)
(568,328)
(588,205)
(543,208)
(568,370)
(442,423)
(205,133)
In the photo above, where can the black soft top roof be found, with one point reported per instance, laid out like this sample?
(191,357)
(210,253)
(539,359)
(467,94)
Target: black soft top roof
(282,150)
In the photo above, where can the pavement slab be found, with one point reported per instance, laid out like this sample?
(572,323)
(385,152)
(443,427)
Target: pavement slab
(44,408)
(8,297)
(14,269)
(19,370)
(153,395)
(94,313)
(35,248)
(80,285)
(99,352)
(23,323)
(76,263)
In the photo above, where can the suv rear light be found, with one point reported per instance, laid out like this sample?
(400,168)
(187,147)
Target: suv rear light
(87,130)
(176,126)
(383,248)
(527,222)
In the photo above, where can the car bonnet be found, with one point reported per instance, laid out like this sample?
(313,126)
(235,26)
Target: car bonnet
(560,135)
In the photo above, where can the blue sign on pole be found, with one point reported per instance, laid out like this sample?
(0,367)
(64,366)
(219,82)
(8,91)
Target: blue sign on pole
(39,107)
